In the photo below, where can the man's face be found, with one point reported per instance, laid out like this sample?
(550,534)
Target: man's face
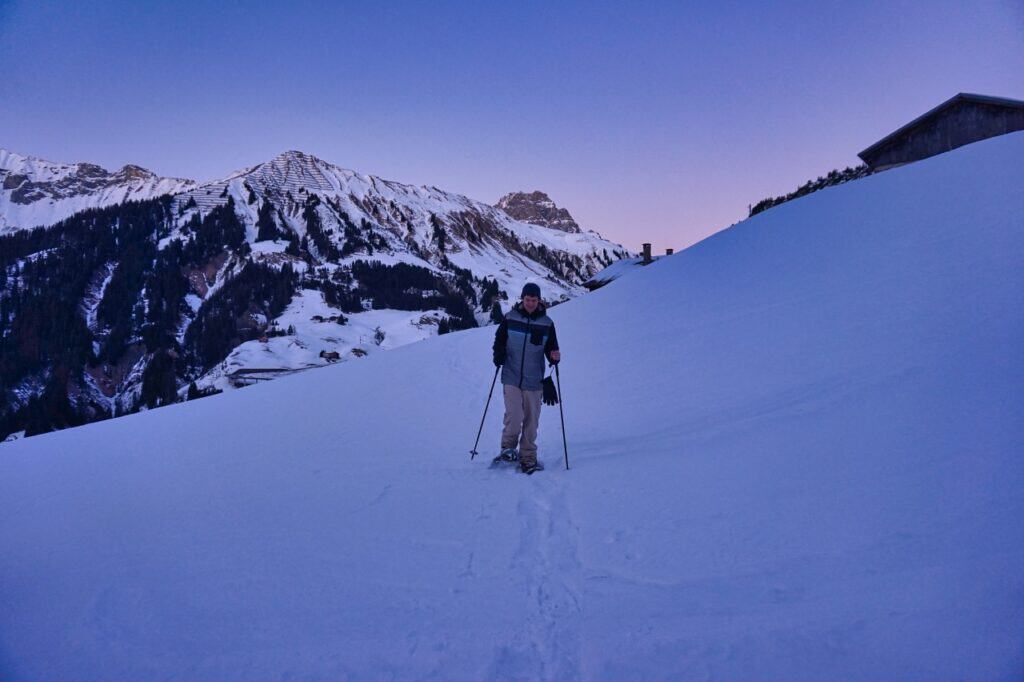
(530,303)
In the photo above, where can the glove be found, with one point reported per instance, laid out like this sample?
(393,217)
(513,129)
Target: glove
(498,361)
(550,393)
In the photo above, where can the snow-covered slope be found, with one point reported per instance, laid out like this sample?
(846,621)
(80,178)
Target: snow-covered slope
(796,452)
(34,192)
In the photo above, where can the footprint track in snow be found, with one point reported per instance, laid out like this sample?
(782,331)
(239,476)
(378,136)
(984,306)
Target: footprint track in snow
(547,565)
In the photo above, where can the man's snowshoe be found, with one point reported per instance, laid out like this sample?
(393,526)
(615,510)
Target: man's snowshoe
(529,468)
(508,457)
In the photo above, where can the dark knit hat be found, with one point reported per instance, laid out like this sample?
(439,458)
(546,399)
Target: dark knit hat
(530,289)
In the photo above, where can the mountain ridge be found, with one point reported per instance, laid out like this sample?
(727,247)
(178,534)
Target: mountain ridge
(286,265)
(35,192)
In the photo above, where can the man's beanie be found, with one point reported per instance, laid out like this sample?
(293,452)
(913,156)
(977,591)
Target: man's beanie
(531,289)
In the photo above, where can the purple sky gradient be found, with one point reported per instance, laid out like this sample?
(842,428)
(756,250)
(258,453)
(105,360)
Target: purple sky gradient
(649,121)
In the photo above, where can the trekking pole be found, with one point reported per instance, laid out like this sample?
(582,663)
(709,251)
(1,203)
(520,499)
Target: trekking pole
(565,447)
(473,453)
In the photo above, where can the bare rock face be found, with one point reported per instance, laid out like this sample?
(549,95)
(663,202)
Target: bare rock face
(537,208)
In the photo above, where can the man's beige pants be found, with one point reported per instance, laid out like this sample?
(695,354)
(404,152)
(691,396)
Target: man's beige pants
(522,414)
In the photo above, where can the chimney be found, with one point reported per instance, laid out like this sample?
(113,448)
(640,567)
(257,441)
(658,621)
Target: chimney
(647,254)
(669,252)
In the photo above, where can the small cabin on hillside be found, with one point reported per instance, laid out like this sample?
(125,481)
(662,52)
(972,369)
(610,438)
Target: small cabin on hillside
(621,267)
(960,120)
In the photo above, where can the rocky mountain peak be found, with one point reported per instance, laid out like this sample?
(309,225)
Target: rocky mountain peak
(537,208)
(296,155)
(292,170)
(132,172)
(89,170)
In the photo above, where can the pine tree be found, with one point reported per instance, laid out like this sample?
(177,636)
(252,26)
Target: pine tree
(266,228)
(158,382)
(497,317)
(439,233)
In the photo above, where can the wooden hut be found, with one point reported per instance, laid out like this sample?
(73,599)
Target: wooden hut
(961,119)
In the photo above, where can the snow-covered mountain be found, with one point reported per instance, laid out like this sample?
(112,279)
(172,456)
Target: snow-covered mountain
(288,265)
(34,192)
(406,223)
(340,216)
(537,208)
(795,448)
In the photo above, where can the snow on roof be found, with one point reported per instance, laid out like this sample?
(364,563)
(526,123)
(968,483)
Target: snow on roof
(614,271)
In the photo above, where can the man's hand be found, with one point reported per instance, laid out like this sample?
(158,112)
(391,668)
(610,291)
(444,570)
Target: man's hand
(555,356)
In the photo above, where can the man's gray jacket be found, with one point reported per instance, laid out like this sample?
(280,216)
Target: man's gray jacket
(521,343)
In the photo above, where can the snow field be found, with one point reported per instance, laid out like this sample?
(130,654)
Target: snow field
(795,450)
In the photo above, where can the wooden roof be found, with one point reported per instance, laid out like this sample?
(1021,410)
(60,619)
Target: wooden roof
(955,99)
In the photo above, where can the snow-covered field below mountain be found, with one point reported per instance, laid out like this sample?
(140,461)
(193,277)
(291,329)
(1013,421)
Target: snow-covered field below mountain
(317,331)
(796,455)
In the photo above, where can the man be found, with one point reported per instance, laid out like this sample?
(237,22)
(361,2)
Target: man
(524,338)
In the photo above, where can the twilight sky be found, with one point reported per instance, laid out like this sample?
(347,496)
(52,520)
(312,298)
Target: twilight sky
(649,121)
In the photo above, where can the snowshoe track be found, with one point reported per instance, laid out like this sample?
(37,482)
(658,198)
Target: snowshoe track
(546,562)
